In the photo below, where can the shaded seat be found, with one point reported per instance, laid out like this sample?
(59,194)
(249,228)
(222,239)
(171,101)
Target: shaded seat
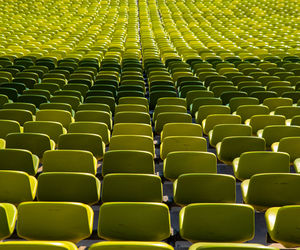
(271,190)
(181,129)
(8,215)
(19,115)
(290,145)
(247,111)
(170,117)
(212,120)
(217,222)
(227,246)
(132,129)
(132,117)
(128,245)
(46,245)
(200,101)
(7,127)
(258,122)
(94,116)
(56,221)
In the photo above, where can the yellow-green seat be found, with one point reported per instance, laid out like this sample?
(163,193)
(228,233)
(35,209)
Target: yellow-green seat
(132,142)
(68,187)
(36,245)
(128,161)
(229,246)
(283,223)
(207,110)
(258,122)
(72,100)
(132,117)
(235,102)
(94,106)
(134,100)
(57,106)
(171,117)
(7,127)
(288,112)
(124,221)
(83,141)
(8,215)
(219,132)
(159,109)
(94,116)
(273,103)
(200,101)
(17,186)
(69,161)
(36,143)
(132,129)
(23,106)
(194,94)
(247,111)
(182,143)
(55,221)
(62,116)
(215,119)
(172,101)
(131,187)
(233,146)
(271,190)
(109,100)
(130,245)
(131,108)
(251,163)
(185,162)
(181,129)
(19,115)
(290,145)
(204,188)
(217,222)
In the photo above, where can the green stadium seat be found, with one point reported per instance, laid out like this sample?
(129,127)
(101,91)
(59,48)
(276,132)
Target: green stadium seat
(227,246)
(134,245)
(215,119)
(7,127)
(181,129)
(34,245)
(94,116)
(8,215)
(132,117)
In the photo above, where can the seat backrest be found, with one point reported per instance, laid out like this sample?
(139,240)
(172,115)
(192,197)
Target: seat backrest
(94,116)
(288,112)
(171,117)
(181,129)
(258,122)
(247,111)
(8,215)
(132,117)
(212,120)
(132,129)
(19,115)
(7,127)
(124,220)
(206,110)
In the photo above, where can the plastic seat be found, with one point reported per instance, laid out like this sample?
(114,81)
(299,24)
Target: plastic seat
(182,143)
(131,108)
(171,117)
(289,145)
(56,221)
(206,110)
(94,116)
(34,245)
(201,101)
(167,108)
(219,132)
(227,246)
(17,186)
(181,129)
(7,127)
(273,103)
(212,120)
(68,187)
(288,112)
(132,129)
(52,129)
(247,111)
(124,220)
(36,143)
(217,222)
(274,133)
(132,142)
(83,141)
(204,188)
(235,102)
(258,122)
(134,100)
(108,100)
(233,146)
(37,100)
(69,161)
(132,117)
(172,101)
(282,223)
(19,115)
(20,105)
(134,245)
(262,95)
(192,95)
(270,190)
(72,100)
(8,215)
(131,188)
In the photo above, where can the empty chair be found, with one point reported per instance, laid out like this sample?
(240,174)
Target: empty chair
(83,141)
(170,117)
(72,100)
(185,162)
(124,220)
(128,161)
(7,127)
(233,146)
(200,101)
(36,143)
(133,245)
(46,245)
(290,145)
(132,117)
(94,106)
(275,102)
(98,128)
(258,122)
(168,108)
(217,222)
(282,224)
(271,189)
(212,120)
(132,129)
(132,142)
(54,115)
(227,246)
(181,129)
(19,115)
(124,187)
(94,116)
(204,188)
(235,102)
(247,111)
(56,221)
(17,186)
(72,187)
(219,132)
(172,101)
(192,95)
(134,100)
(251,163)
(69,161)
(288,112)
(8,215)
(182,143)
(131,108)
(274,133)
(20,105)
(262,95)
